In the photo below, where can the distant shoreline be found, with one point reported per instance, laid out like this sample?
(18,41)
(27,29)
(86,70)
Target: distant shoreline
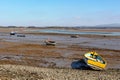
(35,31)
(64,27)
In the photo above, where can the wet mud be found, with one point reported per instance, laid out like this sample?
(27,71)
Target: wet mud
(67,53)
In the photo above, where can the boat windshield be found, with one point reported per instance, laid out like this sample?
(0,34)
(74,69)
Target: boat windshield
(99,59)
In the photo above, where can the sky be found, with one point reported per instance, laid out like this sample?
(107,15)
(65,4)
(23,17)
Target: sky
(59,12)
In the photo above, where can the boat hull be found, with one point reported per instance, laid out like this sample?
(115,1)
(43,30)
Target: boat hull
(50,43)
(94,63)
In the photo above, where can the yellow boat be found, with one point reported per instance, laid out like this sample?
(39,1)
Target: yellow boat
(95,61)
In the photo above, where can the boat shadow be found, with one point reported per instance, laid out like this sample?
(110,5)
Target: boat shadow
(80,64)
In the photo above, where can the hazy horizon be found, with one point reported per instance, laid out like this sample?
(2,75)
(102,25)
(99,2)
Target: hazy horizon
(59,12)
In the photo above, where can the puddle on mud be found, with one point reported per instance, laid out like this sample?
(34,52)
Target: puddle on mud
(61,63)
(11,57)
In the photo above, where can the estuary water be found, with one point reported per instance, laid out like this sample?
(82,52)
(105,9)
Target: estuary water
(76,32)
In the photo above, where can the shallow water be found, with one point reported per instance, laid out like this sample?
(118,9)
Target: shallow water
(65,41)
(76,32)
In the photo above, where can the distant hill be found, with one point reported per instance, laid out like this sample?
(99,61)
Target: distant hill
(109,25)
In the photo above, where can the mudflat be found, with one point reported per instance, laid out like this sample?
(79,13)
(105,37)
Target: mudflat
(32,51)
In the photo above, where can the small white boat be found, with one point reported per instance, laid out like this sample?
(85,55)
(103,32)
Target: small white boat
(74,36)
(12,33)
(49,42)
